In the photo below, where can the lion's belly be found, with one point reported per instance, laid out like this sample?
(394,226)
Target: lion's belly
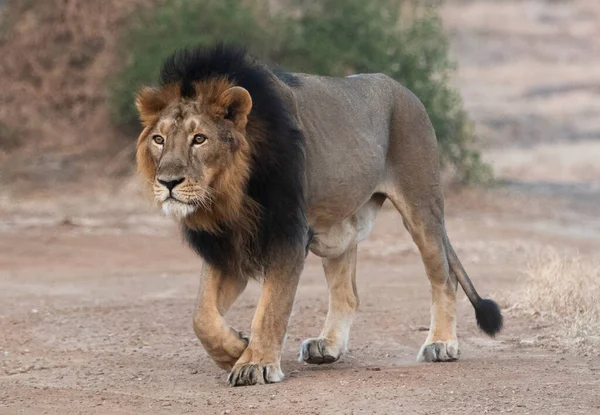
(332,240)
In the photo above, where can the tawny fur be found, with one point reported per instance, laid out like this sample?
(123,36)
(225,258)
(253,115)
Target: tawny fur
(366,139)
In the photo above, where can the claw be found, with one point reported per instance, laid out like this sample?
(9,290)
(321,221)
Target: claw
(254,374)
(439,352)
(316,351)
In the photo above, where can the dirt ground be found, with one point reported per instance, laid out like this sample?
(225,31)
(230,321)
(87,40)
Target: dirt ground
(97,291)
(95,317)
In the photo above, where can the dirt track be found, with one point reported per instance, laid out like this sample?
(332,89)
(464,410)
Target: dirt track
(96,318)
(95,310)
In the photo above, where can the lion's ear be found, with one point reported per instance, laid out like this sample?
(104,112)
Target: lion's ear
(151,101)
(236,103)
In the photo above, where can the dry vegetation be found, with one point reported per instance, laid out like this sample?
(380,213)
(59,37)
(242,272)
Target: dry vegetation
(56,56)
(563,292)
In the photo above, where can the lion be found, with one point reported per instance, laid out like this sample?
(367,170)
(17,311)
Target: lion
(261,166)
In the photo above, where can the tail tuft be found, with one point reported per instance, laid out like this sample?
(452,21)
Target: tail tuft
(489,318)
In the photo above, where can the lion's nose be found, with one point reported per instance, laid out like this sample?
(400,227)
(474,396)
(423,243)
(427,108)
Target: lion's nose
(170,184)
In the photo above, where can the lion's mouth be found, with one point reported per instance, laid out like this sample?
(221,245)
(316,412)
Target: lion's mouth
(176,208)
(173,198)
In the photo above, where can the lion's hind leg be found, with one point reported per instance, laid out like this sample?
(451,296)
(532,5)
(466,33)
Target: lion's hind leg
(423,214)
(343,302)
(424,220)
(441,344)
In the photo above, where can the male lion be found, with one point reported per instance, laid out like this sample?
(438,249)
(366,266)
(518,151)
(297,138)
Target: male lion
(260,166)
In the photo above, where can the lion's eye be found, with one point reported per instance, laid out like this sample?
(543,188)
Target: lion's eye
(158,139)
(199,139)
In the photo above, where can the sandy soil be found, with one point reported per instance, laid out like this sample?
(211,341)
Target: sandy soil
(95,317)
(97,293)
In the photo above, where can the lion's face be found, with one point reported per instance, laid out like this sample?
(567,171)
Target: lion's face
(189,149)
(194,150)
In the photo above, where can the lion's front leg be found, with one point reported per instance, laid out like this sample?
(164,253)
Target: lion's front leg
(261,361)
(217,293)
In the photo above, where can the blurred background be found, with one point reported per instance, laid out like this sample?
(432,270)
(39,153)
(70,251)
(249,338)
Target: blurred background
(511,87)
(513,90)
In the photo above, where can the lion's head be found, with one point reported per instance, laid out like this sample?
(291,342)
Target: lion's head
(194,152)
(221,152)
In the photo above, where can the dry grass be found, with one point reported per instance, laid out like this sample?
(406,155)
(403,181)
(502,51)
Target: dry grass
(565,292)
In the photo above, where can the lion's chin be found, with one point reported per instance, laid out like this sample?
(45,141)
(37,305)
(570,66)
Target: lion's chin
(176,209)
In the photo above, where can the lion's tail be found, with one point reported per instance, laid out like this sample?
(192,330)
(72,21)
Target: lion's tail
(487,312)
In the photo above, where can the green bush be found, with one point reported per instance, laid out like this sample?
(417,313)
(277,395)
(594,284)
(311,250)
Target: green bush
(329,37)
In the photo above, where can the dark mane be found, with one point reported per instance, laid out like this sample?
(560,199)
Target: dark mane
(276,180)
(287,78)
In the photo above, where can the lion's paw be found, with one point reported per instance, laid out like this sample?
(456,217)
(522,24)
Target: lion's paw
(246,374)
(318,351)
(439,352)
(229,352)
